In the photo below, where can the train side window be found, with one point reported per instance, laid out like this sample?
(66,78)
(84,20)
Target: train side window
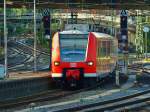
(113,52)
(108,47)
(111,48)
(98,48)
(103,48)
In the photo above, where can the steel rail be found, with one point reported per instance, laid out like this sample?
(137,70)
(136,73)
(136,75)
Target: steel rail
(109,104)
(23,54)
(28,99)
(31,48)
(42,97)
(138,67)
(19,53)
(27,50)
(127,102)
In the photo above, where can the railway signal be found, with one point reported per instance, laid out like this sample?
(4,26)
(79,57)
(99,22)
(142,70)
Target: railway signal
(74,16)
(46,24)
(124,38)
(124,31)
(47,29)
(146,30)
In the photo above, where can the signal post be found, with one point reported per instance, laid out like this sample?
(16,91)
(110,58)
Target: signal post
(124,39)
(47,29)
(123,43)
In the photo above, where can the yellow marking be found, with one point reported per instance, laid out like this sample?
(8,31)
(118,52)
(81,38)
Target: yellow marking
(104,58)
(146,60)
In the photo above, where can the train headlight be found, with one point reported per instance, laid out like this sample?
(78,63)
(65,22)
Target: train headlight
(56,63)
(90,63)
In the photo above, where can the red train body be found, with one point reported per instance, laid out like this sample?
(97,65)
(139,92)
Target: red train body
(77,56)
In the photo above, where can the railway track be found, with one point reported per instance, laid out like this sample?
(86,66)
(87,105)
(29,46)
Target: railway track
(25,57)
(31,48)
(42,97)
(57,94)
(29,99)
(138,68)
(27,52)
(118,103)
(53,95)
(15,58)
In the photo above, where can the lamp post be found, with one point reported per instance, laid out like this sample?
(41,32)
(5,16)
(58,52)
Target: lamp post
(35,41)
(5,40)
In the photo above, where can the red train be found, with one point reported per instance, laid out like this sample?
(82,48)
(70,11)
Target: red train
(80,58)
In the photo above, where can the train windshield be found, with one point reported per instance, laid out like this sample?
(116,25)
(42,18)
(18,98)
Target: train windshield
(73,47)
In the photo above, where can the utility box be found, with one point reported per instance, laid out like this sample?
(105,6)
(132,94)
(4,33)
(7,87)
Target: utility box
(2,71)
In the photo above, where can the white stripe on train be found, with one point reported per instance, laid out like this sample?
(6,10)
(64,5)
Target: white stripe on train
(85,75)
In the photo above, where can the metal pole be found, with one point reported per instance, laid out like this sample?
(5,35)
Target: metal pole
(126,63)
(146,45)
(117,76)
(35,41)
(5,39)
(0,39)
(112,22)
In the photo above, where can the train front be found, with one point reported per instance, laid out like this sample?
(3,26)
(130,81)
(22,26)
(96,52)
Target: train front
(73,57)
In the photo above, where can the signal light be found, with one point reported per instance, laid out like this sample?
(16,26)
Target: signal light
(123,41)
(46,24)
(46,21)
(123,22)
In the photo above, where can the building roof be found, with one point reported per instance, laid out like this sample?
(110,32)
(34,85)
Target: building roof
(86,4)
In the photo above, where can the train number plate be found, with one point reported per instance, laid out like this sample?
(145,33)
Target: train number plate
(73,64)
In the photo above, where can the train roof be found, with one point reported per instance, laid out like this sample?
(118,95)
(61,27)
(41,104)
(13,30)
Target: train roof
(102,35)
(97,34)
(73,32)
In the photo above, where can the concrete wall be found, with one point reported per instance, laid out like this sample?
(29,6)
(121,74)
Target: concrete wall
(11,89)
